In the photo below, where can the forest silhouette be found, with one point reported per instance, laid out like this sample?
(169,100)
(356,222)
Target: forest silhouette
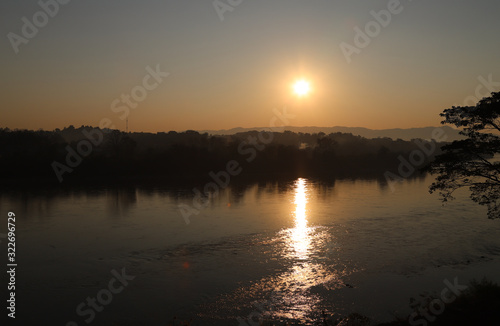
(27,154)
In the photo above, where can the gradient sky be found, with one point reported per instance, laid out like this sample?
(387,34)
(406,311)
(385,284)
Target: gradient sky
(232,73)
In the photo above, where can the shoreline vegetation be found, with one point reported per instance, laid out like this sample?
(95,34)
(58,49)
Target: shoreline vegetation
(87,155)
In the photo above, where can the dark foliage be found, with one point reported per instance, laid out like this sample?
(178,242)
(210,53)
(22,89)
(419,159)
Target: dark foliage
(471,163)
(29,154)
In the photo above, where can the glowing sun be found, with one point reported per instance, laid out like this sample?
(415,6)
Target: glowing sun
(301,87)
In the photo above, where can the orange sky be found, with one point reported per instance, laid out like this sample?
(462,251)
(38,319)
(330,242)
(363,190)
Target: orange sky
(232,73)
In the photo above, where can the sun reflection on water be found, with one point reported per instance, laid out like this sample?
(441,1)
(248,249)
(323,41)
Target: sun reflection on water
(303,262)
(299,235)
(304,248)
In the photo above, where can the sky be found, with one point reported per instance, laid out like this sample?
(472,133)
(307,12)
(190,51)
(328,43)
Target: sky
(228,63)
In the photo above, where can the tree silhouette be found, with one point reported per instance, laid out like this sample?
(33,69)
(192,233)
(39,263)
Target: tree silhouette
(471,163)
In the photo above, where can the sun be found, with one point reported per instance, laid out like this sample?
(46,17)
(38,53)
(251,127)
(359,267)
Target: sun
(301,87)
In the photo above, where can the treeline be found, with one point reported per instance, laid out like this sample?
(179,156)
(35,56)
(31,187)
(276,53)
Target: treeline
(80,153)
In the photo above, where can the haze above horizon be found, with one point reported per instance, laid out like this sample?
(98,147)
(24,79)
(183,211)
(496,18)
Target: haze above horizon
(202,65)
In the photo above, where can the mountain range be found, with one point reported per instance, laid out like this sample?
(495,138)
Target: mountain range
(397,133)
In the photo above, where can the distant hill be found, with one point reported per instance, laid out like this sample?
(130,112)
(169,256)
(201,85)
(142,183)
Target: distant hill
(405,134)
(88,152)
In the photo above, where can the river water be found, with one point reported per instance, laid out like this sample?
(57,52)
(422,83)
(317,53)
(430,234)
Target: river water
(283,251)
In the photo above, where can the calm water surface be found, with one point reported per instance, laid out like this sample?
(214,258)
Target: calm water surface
(275,250)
